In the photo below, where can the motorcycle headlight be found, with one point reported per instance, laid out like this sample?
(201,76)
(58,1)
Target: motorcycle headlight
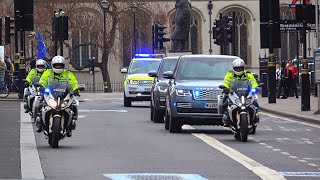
(183,92)
(132,81)
(64,104)
(249,100)
(162,88)
(52,103)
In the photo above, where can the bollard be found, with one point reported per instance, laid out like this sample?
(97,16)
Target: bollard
(264,78)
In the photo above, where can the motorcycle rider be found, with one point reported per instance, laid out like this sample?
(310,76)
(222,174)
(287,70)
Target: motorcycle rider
(238,73)
(59,73)
(33,77)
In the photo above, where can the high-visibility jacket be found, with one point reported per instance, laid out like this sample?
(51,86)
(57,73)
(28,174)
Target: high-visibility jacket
(66,76)
(34,76)
(230,76)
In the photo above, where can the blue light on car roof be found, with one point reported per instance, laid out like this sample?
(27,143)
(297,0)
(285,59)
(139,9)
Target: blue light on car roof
(47,90)
(142,55)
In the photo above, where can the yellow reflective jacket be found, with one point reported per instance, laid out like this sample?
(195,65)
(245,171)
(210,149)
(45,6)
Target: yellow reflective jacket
(230,76)
(34,76)
(65,76)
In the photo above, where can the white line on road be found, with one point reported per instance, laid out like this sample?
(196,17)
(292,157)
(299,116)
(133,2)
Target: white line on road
(30,161)
(102,110)
(260,170)
(286,119)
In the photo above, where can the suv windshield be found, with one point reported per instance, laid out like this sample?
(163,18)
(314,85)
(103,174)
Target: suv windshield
(143,66)
(167,65)
(198,68)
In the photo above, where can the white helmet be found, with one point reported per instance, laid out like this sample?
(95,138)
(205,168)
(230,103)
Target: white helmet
(238,63)
(58,63)
(40,65)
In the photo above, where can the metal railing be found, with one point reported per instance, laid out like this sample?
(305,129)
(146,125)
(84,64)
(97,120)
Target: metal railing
(99,87)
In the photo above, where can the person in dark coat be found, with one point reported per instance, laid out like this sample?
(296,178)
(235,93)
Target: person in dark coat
(33,62)
(182,25)
(282,80)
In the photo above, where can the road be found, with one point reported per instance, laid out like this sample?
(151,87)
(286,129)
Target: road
(113,142)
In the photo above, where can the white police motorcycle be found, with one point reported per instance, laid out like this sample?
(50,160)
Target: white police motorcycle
(241,108)
(32,99)
(58,109)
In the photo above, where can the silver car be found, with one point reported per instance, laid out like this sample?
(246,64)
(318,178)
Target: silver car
(193,91)
(159,88)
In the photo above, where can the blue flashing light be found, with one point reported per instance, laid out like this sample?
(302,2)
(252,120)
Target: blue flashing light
(253,90)
(174,104)
(142,55)
(47,90)
(196,94)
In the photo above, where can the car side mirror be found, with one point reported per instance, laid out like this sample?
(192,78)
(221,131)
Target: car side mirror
(152,73)
(168,75)
(124,70)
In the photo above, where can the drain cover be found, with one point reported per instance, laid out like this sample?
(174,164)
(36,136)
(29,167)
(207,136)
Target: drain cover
(146,176)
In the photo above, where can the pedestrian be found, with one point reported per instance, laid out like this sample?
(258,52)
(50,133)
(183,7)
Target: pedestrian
(8,64)
(282,84)
(292,74)
(3,69)
(33,62)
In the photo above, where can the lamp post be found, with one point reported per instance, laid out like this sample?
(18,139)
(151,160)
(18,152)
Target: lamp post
(210,6)
(104,4)
(59,15)
(134,9)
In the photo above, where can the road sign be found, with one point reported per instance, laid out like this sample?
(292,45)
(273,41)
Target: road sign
(295,26)
(292,5)
(317,65)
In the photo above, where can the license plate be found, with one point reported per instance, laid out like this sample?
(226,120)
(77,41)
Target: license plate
(147,89)
(211,105)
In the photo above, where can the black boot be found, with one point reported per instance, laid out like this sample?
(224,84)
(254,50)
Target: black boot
(225,120)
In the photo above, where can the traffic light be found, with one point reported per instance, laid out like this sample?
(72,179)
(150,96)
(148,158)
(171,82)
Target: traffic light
(8,26)
(229,30)
(218,31)
(159,38)
(91,66)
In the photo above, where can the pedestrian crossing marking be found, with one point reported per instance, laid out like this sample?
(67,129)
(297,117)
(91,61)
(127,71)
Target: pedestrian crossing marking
(154,176)
(305,174)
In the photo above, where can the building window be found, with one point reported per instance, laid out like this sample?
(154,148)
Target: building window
(241,34)
(85,46)
(194,43)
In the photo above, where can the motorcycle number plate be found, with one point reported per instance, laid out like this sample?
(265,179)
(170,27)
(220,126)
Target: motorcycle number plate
(211,105)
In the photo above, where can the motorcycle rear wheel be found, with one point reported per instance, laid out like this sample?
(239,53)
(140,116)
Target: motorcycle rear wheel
(244,127)
(56,127)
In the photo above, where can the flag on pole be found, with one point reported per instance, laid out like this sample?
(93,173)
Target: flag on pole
(42,50)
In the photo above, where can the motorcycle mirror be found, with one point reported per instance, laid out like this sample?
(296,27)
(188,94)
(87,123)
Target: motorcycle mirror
(81,88)
(222,87)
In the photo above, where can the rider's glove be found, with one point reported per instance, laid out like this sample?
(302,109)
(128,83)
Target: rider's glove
(76,92)
(225,91)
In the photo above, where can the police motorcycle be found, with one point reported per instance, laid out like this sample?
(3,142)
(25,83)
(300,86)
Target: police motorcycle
(242,108)
(57,111)
(32,99)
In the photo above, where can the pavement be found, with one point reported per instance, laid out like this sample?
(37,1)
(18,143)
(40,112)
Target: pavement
(290,107)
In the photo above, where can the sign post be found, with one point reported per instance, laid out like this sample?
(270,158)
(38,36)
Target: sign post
(317,75)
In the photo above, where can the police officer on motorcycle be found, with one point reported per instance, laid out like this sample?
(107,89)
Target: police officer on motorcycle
(238,73)
(34,76)
(59,73)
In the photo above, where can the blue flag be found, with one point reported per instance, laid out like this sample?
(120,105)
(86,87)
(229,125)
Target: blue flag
(42,50)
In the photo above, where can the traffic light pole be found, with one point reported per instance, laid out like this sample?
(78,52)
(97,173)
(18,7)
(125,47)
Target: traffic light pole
(271,61)
(234,33)
(305,84)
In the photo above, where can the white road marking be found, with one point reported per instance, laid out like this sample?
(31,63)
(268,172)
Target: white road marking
(269,147)
(301,160)
(103,110)
(82,116)
(293,157)
(262,171)
(30,161)
(286,119)
(314,165)
(276,150)
(314,159)
(285,153)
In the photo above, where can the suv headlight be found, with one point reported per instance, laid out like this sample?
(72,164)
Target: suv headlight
(162,88)
(132,81)
(183,92)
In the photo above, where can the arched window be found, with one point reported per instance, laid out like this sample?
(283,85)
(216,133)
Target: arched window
(143,34)
(194,43)
(241,33)
(289,39)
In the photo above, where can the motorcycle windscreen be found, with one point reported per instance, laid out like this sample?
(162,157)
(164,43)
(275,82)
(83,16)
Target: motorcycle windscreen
(59,89)
(241,87)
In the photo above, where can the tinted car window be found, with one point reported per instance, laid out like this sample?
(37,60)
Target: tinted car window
(203,69)
(143,66)
(167,65)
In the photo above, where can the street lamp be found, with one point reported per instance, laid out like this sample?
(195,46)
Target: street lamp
(210,6)
(104,4)
(134,9)
(59,15)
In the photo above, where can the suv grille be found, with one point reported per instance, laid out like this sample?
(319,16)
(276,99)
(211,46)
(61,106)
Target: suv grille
(145,83)
(207,94)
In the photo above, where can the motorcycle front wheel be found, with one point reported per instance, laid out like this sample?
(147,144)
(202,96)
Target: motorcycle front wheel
(244,127)
(56,127)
